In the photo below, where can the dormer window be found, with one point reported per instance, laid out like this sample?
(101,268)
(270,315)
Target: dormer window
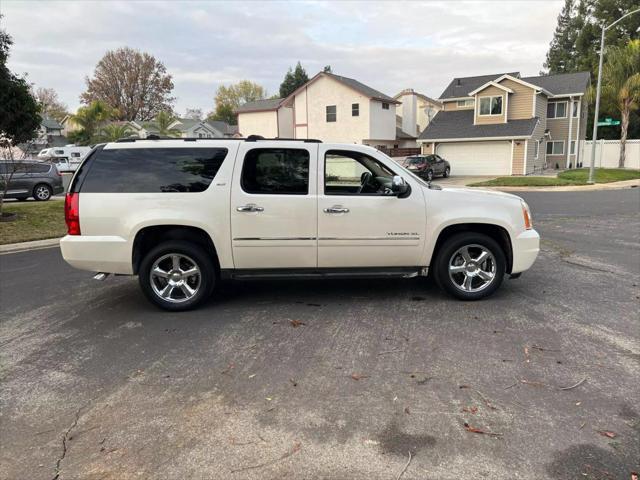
(465,103)
(491,105)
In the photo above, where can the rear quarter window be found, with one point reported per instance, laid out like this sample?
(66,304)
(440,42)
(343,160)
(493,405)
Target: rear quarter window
(38,168)
(152,170)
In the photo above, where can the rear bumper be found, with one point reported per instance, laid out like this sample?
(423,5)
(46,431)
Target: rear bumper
(526,247)
(108,254)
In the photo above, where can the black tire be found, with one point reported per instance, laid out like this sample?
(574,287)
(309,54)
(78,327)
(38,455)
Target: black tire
(187,252)
(450,248)
(42,192)
(429,175)
(447,172)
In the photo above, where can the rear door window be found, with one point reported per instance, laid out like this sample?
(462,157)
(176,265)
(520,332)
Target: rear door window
(152,170)
(38,168)
(276,171)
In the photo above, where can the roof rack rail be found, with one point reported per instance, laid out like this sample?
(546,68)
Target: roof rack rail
(250,138)
(256,138)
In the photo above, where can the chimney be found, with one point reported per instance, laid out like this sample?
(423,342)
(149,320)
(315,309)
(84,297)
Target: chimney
(410,112)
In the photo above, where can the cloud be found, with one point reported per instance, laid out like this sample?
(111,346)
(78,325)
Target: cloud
(388,45)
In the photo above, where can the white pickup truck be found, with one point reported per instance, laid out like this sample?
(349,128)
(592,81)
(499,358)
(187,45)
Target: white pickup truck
(182,214)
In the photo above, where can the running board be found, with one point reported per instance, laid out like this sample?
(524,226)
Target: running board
(297,273)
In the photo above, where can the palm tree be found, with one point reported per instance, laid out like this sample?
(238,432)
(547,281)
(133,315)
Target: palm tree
(114,132)
(163,121)
(621,86)
(90,119)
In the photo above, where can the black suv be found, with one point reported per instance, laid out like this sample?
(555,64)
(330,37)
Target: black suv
(30,179)
(428,166)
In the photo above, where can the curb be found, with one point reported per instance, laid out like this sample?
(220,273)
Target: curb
(26,246)
(624,184)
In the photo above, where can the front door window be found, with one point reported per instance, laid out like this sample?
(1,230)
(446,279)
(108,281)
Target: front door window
(355,173)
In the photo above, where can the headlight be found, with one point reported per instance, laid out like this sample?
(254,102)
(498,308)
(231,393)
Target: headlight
(526,213)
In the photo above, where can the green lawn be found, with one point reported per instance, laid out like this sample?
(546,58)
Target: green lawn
(36,221)
(570,177)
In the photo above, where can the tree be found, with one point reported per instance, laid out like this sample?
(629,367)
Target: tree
(621,86)
(114,132)
(19,111)
(228,99)
(91,119)
(132,82)
(586,21)
(561,54)
(50,104)
(193,113)
(293,80)
(163,122)
(327,69)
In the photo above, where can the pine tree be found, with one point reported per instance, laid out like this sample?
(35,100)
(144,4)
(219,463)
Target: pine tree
(293,80)
(561,54)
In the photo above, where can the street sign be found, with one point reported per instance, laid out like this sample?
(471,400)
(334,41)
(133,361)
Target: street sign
(608,122)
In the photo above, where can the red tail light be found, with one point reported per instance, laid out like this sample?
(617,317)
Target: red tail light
(72,213)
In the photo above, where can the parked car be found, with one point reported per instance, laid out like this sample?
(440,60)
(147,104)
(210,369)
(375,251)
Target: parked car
(182,214)
(428,166)
(30,179)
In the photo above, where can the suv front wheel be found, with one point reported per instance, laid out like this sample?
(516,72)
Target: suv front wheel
(177,275)
(470,266)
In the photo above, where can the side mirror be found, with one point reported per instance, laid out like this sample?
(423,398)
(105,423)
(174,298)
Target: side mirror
(399,187)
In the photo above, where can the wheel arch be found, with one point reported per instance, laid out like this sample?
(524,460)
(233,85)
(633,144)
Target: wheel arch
(151,235)
(496,232)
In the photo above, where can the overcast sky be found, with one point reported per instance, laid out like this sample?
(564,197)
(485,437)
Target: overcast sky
(386,45)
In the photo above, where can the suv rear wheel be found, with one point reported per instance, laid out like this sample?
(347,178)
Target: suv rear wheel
(470,266)
(42,192)
(177,275)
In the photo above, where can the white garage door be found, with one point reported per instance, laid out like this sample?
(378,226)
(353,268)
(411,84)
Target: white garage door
(477,158)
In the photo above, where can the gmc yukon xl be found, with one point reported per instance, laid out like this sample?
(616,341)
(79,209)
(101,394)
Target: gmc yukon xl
(182,214)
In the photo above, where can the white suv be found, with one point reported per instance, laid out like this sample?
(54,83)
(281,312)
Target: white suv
(182,214)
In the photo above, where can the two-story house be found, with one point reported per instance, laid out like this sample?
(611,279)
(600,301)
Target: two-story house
(504,124)
(331,108)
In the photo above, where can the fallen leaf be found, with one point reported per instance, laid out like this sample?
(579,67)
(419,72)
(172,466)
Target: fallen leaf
(607,434)
(358,376)
(465,386)
(296,323)
(293,382)
(406,410)
(252,375)
(634,476)
(268,399)
(471,429)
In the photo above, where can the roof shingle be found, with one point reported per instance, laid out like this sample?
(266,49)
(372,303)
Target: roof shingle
(260,105)
(460,87)
(563,83)
(459,124)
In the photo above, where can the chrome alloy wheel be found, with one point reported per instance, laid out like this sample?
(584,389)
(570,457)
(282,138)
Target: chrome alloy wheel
(42,192)
(472,268)
(175,278)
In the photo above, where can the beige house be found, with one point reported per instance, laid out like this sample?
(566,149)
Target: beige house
(504,124)
(415,111)
(331,108)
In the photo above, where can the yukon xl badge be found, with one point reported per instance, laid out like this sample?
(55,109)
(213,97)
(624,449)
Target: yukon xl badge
(402,234)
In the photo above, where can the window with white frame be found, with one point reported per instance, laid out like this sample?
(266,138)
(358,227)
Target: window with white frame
(574,113)
(491,105)
(536,149)
(572,150)
(555,147)
(465,103)
(355,109)
(385,106)
(557,110)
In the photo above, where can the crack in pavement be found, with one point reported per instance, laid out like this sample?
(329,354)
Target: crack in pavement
(65,437)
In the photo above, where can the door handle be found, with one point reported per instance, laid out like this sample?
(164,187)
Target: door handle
(250,207)
(336,209)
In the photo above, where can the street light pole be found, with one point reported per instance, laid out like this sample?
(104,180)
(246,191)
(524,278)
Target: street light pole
(595,118)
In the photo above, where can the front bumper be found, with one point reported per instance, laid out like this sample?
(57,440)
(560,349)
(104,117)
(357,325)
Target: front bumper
(526,247)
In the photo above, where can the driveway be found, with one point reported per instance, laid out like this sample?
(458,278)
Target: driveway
(335,379)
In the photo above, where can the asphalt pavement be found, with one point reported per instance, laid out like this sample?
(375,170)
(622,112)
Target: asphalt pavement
(338,379)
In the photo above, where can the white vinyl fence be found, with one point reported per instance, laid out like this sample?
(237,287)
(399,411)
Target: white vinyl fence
(608,153)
